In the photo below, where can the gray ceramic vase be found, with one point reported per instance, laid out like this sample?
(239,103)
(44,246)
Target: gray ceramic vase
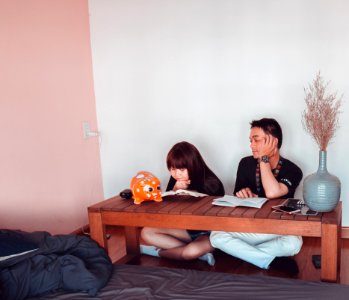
(321,190)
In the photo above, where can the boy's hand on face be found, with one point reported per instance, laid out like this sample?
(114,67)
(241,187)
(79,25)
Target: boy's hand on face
(245,193)
(269,147)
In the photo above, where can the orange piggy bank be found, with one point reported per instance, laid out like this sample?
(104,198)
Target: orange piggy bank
(145,186)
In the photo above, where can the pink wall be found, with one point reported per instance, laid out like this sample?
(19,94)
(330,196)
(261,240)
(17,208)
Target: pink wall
(48,173)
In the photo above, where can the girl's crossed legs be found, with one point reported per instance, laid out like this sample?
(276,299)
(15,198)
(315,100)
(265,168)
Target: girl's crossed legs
(178,244)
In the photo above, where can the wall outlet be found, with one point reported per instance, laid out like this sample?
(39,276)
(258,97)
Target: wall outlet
(87,131)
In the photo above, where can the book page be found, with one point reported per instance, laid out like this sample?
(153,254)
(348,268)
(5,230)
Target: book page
(183,192)
(229,200)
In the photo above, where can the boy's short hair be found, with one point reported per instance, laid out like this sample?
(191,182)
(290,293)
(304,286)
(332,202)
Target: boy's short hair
(269,126)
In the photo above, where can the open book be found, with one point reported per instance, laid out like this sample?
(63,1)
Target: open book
(183,192)
(233,201)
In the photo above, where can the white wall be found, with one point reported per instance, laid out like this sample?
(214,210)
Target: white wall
(201,70)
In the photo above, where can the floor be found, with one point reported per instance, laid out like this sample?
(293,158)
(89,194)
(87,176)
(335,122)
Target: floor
(229,264)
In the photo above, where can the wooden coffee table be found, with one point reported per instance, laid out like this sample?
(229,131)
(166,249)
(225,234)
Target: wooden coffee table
(187,212)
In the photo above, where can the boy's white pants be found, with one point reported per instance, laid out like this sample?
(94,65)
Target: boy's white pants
(256,248)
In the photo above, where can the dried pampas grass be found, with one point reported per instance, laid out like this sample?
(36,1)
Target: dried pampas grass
(320,118)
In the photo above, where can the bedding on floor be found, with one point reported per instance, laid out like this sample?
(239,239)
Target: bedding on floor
(36,263)
(141,283)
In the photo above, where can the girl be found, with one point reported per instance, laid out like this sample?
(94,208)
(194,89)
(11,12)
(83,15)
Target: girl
(188,171)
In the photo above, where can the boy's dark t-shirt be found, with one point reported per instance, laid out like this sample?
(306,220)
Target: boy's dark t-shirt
(289,174)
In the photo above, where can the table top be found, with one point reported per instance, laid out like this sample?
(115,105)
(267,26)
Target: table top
(201,206)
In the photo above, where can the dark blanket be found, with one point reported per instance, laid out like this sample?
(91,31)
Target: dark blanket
(66,262)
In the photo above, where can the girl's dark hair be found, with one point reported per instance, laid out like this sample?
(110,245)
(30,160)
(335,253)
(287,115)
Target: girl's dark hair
(184,155)
(269,126)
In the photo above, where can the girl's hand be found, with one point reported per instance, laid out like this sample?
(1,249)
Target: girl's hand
(181,185)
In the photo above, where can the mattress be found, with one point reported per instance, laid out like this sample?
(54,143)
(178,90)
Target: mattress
(139,282)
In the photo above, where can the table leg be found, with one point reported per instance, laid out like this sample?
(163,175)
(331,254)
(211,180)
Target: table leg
(132,240)
(339,252)
(329,252)
(97,229)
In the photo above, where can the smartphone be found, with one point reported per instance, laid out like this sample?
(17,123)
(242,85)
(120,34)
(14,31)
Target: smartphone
(294,203)
(306,211)
(286,209)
